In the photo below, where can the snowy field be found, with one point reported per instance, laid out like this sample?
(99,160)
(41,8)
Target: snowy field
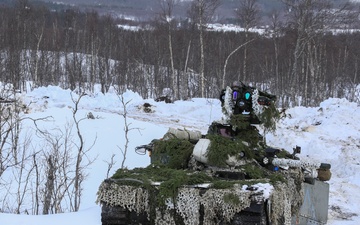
(328,133)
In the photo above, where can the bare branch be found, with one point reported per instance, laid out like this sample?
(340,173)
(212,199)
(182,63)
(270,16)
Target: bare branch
(110,165)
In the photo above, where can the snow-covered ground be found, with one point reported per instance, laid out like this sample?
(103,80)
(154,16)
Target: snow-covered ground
(329,133)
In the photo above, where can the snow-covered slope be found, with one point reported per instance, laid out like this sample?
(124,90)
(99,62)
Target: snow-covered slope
(328,133)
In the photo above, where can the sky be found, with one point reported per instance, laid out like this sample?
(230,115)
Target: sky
(327,133)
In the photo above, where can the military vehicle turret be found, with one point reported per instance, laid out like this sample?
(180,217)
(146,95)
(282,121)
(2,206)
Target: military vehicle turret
(228,176)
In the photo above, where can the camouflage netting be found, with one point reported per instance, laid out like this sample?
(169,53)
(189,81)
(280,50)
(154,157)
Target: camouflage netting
(129,197)
(285,201)
(187,205)
(287,198)
(216,206)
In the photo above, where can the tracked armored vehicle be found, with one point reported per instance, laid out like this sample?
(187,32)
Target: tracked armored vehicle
(228,176)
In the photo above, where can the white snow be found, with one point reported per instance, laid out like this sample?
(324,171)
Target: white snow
(329,133)
(89,216)
(265,189)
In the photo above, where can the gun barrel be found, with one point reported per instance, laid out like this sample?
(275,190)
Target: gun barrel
(280,162)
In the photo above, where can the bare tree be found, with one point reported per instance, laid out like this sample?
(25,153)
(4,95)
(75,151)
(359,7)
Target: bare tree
(309,18)
(110,164)
(59,175)
(249,16)
(36,204)
(201,12)
(64,174)
(275,32)
(39,27)
(22,174)
(50,183)
(166,16)
(15,153)
(127,129)
(9,130)
(227,59)
(108,28)
(81,152)
(91,26)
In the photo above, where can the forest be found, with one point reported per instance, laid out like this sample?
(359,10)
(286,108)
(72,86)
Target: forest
(305,55)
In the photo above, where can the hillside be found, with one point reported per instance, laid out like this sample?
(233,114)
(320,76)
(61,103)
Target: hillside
(146,9)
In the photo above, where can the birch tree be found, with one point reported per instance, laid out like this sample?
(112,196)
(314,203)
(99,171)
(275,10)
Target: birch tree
(201,12)
(309,19)
(166,16)
(248,15)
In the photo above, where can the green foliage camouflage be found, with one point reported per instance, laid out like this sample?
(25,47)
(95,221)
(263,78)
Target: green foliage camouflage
(246,139)
(246,132)
(269,117)
(173,152)
(254,171)
(240,121)
(222,147)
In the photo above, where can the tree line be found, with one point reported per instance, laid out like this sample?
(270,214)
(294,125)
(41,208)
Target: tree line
(305,55)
